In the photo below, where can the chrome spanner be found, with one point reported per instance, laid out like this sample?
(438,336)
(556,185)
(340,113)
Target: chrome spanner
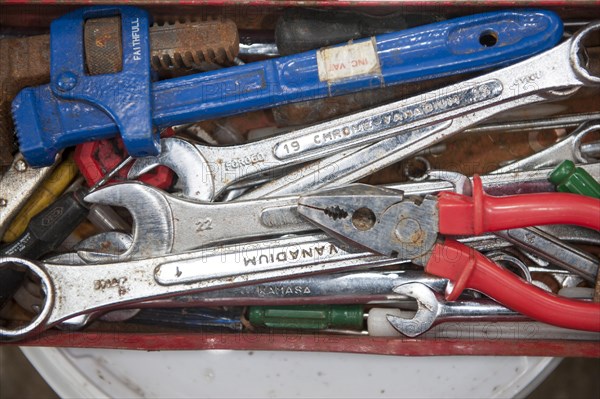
(164,223)
(568,148)
(559,71)
(349,167)
(434,309)
(198,299)
(336,259)
(341,288)
(356,163)
(72,290)
(213,169)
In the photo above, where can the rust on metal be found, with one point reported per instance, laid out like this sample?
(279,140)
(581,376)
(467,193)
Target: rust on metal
(103,45)
(197,45)
(25,62)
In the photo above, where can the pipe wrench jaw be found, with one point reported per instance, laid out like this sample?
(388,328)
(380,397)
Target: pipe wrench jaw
(122,93)
(377,219)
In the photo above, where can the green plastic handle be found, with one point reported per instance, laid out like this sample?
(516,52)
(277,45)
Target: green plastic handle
(308,317)
(571,179)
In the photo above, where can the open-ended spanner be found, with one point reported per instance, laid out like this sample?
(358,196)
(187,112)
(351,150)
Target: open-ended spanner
(345,168)
(73,108)
(433,309)
(353,164)
(559,71)
(567,148)
(164,223)
(341,288)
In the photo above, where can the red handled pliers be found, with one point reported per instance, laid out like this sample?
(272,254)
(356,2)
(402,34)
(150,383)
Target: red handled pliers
(384,221)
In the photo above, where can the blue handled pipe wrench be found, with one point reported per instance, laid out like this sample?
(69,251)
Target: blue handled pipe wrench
(76,107)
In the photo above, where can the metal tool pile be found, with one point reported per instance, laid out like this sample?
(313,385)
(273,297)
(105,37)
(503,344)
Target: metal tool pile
(195,210)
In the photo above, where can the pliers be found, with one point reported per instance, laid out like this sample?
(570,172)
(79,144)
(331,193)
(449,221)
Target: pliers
(386,222)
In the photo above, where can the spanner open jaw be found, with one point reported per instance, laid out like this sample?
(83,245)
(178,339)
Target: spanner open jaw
(164,223)
(153,225)
(433,309)
(428,310)
(186,160)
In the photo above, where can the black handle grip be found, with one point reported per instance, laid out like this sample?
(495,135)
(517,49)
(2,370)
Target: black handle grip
(45,232)
(300,30)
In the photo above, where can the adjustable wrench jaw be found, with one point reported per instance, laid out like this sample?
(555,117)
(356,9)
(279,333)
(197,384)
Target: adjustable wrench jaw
(377,219)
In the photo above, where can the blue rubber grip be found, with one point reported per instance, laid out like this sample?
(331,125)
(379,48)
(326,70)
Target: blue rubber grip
(46,124)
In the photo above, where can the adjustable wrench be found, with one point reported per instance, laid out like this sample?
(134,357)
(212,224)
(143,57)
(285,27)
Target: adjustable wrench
(68,112)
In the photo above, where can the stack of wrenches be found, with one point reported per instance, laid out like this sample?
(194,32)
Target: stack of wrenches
(188,249)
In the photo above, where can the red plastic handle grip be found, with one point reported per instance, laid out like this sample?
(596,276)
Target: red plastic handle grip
(467,268)
(464,215)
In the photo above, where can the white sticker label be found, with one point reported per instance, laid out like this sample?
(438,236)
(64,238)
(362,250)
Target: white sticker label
(347,61)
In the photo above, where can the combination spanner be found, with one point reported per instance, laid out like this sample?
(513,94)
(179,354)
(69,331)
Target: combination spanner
(245,251)
(341,288)
(554,73)
(71,290)
(347,168)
